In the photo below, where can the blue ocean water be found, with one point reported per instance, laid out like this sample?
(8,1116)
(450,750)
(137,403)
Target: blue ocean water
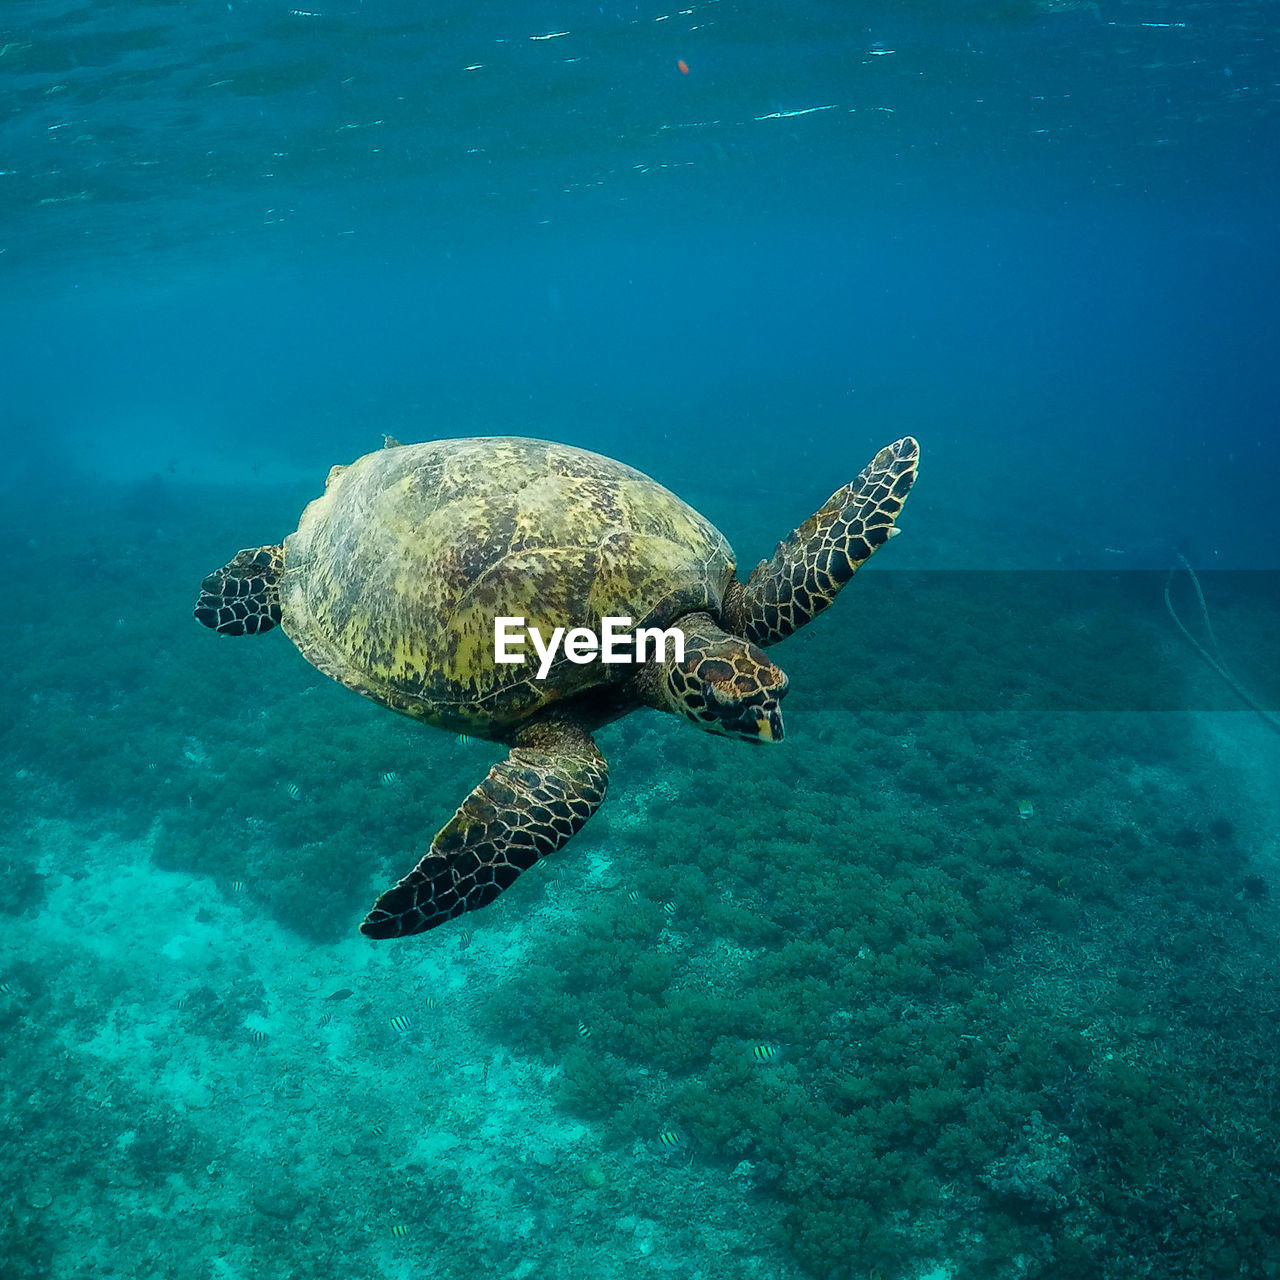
(971,976)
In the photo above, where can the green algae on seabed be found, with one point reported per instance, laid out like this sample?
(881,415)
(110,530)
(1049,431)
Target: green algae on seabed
(1004,1040)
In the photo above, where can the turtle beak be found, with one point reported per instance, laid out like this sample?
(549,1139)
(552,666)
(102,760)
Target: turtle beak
(771,725)
(762,723)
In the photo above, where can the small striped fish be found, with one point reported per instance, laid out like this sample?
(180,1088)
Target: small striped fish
(400,1023)
(399,1231)
(5,989)
(584,1031)
(464,937)
(634,897)
(669,908)
(257,1037)
(390,778)
(378,1130)
(237,886)
(670,1140)
(466,740)
(324,1020)
(293,791)
(764,1052)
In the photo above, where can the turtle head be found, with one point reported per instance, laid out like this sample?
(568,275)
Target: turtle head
(724,684)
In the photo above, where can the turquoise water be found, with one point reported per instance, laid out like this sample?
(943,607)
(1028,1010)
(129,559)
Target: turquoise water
(974,975)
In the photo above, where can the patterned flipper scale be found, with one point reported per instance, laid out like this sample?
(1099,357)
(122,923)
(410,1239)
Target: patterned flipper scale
(243,597)
(528,806)
(809,568)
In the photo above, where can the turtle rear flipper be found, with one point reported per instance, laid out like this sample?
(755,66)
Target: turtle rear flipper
(809,568)
(243,597)
(529,805)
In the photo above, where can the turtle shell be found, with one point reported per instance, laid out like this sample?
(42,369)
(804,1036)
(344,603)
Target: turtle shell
(395,575)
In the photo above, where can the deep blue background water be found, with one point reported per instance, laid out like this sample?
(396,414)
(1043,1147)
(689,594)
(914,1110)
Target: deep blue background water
(242,240)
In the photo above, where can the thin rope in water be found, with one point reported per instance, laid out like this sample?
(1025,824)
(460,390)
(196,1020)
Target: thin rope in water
(1214,659)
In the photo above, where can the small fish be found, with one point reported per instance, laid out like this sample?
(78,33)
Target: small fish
(293,791)
(5,989)
(669,908)
(584,1031)
(237,886)
(378,1130)
(400,1023)
(324,1020)
(539,865)
(390,778)
(399,1231)
(428,1003)
(466,740)
(634,897)
(464,937)
(257,1037)
(341,994)
(764,1052)
(670,1140)
(1025,809)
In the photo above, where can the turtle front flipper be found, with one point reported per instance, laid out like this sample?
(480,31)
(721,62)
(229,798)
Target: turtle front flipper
(809,568)
(529,805)
(243,597)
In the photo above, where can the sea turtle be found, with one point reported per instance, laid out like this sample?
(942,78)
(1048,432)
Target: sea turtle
(396,576)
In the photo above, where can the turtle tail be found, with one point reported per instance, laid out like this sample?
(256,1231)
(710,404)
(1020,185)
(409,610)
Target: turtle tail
(243,597)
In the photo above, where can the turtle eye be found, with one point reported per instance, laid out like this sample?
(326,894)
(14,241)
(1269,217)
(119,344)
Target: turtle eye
(717,679)
(717,696)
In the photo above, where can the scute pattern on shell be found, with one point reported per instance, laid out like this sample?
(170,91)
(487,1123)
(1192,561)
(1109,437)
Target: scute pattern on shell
(395,574)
